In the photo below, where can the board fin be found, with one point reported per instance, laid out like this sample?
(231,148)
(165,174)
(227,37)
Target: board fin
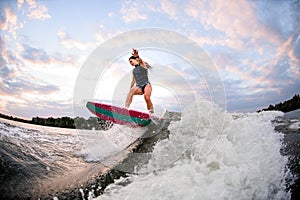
(157,118)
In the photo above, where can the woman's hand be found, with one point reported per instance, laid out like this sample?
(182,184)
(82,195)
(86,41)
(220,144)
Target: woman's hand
(135,52)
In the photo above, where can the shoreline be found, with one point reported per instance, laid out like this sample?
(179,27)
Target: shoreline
(92,123)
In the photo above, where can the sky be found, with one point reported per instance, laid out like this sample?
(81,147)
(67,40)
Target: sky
(254,46)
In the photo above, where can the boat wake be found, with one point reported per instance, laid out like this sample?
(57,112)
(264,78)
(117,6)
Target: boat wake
(201,153)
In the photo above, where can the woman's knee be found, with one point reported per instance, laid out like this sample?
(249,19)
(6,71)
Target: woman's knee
(135,91)
(130,93)
(147,97)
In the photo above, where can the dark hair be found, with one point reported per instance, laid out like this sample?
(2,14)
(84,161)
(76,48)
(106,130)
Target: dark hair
(133,57)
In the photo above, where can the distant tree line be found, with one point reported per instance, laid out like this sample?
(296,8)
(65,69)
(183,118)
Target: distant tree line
(64,122)
(92,123)
(287,106)
(14,118)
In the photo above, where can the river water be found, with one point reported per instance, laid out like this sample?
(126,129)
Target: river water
(210,154)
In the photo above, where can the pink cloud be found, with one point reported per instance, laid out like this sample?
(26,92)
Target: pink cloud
(69,43)
(40,56)
(288,51)
(169,8)
(36,10)
(237,20)
(254,51)
(10,22)
(132,11)
(249,74)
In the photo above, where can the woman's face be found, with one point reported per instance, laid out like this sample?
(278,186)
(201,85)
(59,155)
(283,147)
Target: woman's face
(133,62)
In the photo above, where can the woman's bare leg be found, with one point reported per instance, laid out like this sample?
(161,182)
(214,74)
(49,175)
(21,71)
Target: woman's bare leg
(147,97)
(133,91)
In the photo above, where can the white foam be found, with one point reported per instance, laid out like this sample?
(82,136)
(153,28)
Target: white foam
(211,154)
(295,125)
(102,144)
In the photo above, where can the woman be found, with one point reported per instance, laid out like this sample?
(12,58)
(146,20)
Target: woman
(140,77)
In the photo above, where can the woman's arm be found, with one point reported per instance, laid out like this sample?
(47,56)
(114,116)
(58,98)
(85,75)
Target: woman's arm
(132,82)
(135,53)
(147,65)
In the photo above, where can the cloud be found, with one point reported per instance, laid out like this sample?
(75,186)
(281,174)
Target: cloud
(133,11)
(39,56)
(262,82)
(68,42)
(17,86)
(9,23)
(237,22)
(20,4)
(281,16)
(290,51)
(34,9)
(255,45)
(9,20)
(169,8)
(14,82)
(45,108)
(5,58)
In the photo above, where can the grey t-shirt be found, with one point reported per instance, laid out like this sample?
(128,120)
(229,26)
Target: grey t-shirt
(141,75)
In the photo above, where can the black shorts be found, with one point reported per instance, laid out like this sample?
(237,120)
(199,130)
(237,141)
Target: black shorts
(143,87)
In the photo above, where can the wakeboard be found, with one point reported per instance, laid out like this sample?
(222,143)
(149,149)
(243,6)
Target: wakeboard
(120,115)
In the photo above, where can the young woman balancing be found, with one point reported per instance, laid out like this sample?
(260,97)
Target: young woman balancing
(140,84)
